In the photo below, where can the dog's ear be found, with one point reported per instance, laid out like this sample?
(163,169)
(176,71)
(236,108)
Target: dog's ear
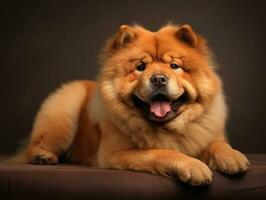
(124,36)
(186,35)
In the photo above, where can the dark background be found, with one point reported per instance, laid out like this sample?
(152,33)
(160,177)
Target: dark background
(45,43)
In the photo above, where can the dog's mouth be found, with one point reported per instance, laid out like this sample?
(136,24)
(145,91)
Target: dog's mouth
(161,108)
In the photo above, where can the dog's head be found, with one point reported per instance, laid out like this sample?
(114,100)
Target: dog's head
(157,74)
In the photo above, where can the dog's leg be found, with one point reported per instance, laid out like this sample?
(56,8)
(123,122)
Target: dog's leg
(163,162)
(118,151)
(221,156)
(56,124)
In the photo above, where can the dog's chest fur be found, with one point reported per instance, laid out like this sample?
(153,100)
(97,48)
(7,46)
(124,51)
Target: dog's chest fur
(189,137)
(192,142)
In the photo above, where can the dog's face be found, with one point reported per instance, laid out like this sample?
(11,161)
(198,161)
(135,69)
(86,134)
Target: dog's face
(157,74)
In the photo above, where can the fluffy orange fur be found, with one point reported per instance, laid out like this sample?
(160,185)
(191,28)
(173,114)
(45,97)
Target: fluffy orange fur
(98,123)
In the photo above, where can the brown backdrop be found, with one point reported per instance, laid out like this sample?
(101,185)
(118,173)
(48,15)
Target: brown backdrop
(45,43)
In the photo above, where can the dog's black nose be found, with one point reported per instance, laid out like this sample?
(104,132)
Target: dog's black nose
(159,80)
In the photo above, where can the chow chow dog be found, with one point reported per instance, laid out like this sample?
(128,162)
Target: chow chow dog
(157,106)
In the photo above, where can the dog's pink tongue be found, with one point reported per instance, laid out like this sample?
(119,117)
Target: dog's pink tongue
(160,108)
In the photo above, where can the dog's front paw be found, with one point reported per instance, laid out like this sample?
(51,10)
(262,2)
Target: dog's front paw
(194,172)
(229,161)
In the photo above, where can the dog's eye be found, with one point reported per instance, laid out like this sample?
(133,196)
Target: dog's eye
(174,66)
(141,67)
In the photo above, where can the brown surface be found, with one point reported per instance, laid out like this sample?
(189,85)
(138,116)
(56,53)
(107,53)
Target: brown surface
(79,182)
